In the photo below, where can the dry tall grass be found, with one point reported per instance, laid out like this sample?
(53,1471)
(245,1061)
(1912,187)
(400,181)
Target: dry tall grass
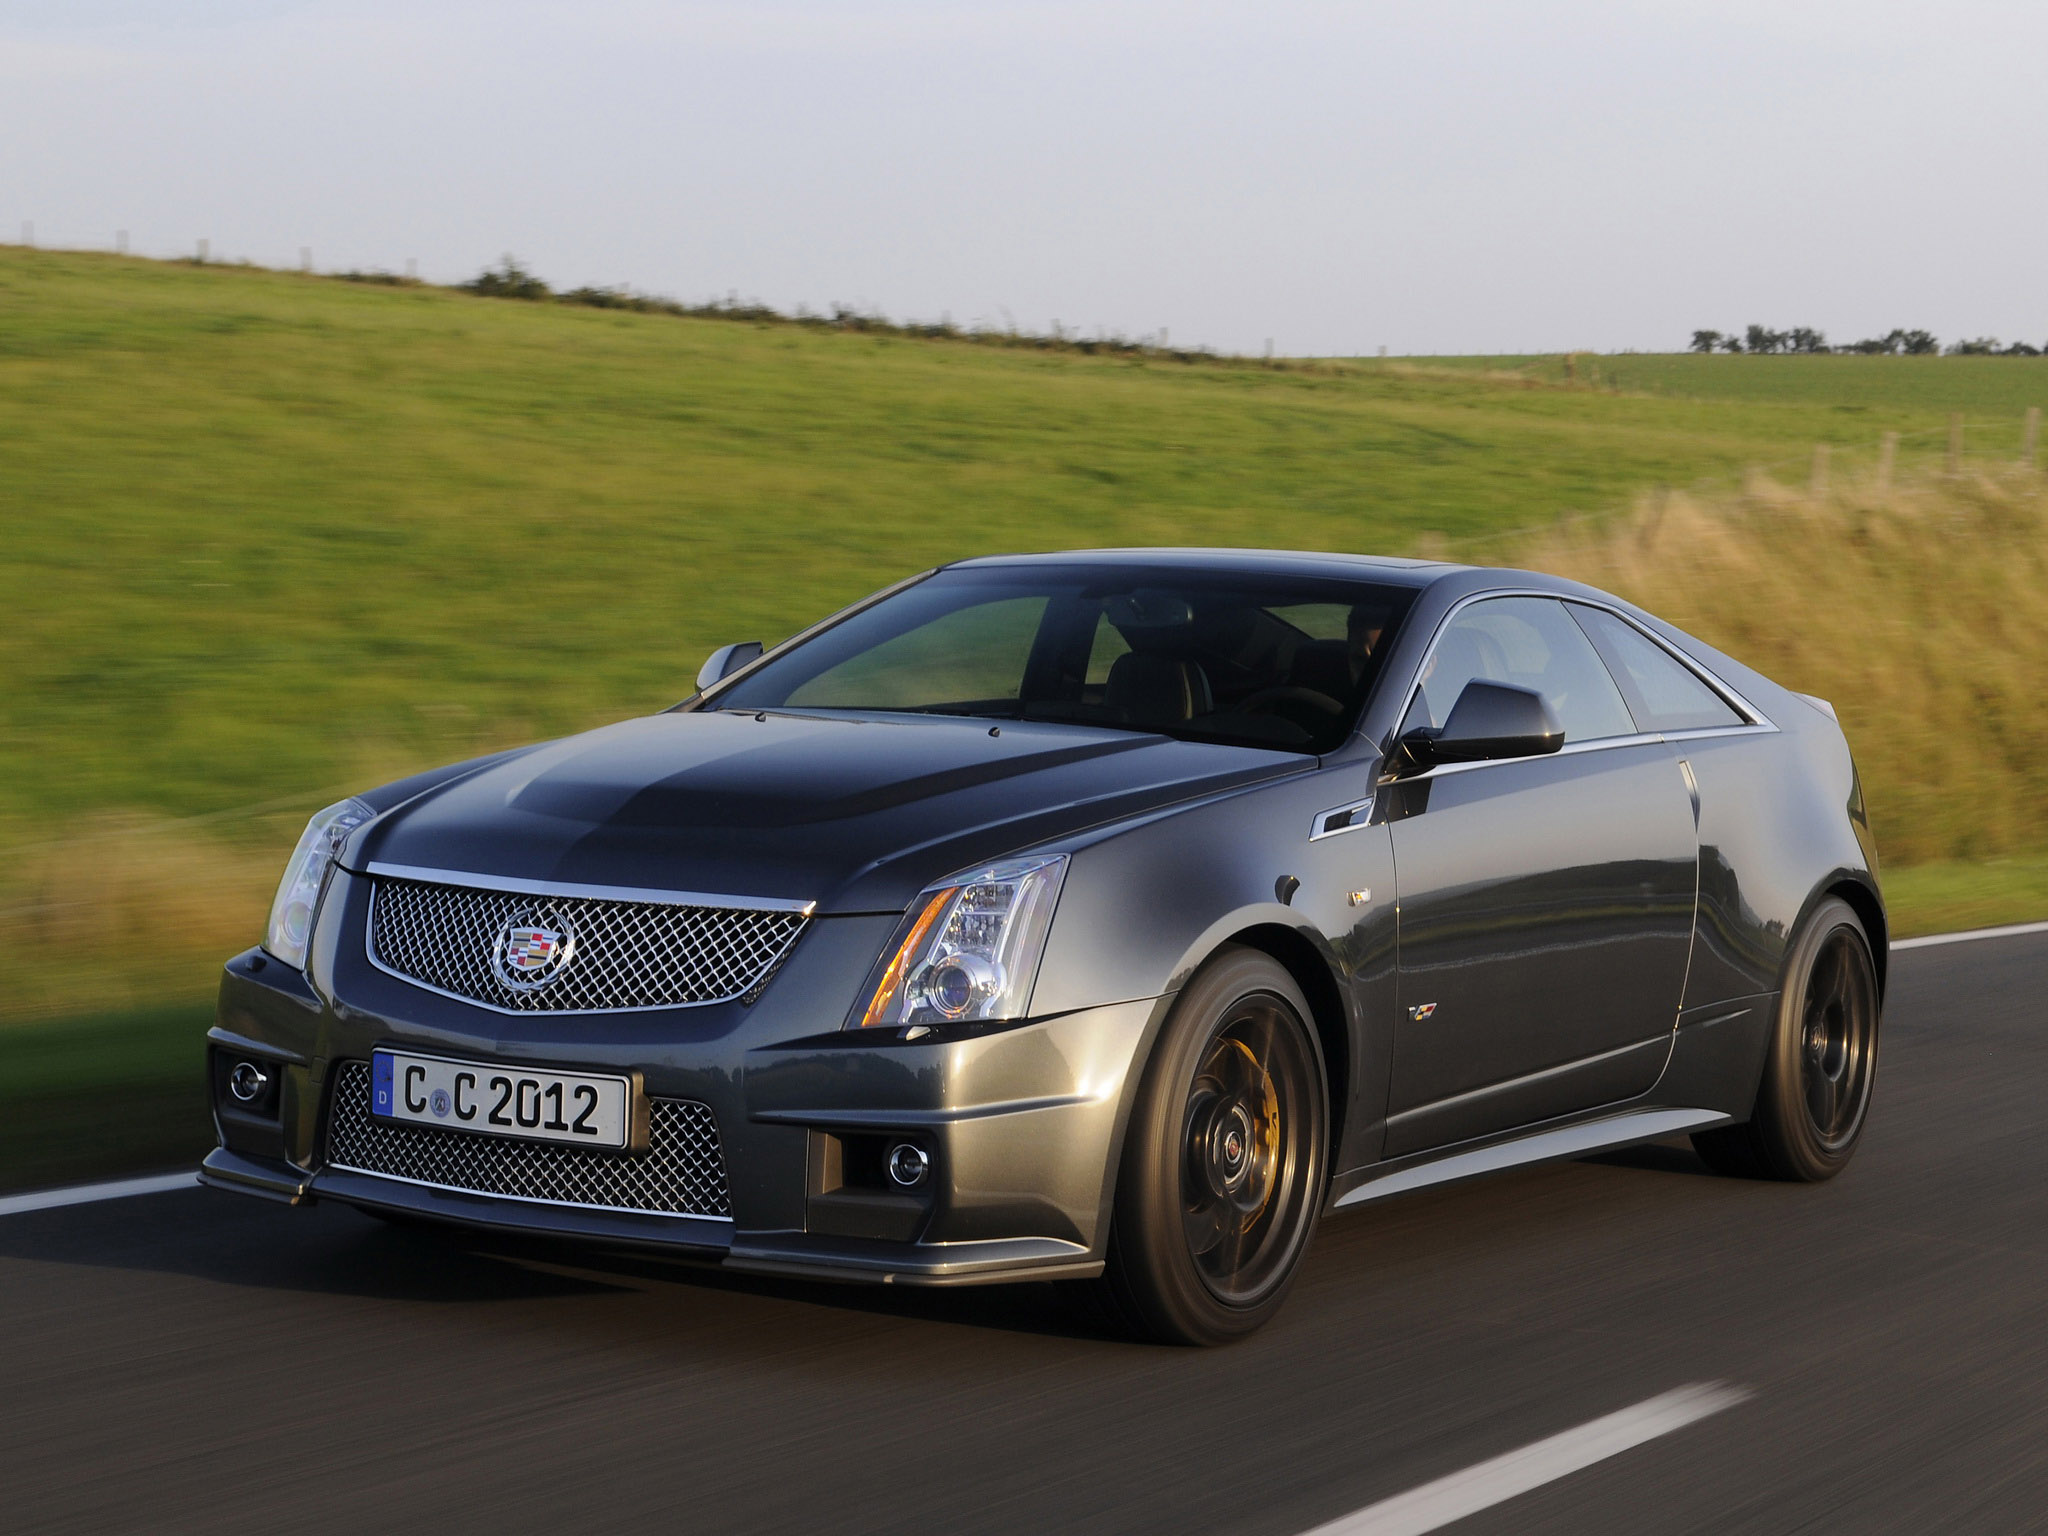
(1920,611)
(128,911)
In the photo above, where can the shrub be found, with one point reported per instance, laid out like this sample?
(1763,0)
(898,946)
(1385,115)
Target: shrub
(1804,339)
(1990,346)
(508,280)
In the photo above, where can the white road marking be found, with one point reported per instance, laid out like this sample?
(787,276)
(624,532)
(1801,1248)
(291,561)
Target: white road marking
(86,1194)
(1493,1482)
(2010,931)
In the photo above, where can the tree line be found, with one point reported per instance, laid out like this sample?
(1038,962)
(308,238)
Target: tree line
(510,280)
(1802,339)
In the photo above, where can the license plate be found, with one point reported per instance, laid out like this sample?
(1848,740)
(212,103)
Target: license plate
(572,1107)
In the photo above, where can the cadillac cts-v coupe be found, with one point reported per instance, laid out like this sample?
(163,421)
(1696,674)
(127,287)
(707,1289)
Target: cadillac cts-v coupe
(1114,914)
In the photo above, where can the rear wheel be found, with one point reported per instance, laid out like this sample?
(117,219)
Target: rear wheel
(1223,1172)
(1815,1093)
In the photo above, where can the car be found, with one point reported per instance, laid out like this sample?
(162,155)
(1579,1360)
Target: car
(1107,916)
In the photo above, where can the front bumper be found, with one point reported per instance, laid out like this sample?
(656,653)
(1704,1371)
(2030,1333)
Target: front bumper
(797,1254)
(1022,1126)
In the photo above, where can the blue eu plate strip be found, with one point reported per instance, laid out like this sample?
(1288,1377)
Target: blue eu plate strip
(380,1083)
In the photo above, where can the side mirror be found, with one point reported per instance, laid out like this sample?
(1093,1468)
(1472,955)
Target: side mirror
(1490,721)
(725,661)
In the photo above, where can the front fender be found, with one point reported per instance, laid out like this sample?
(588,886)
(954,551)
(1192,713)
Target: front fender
(1144,906)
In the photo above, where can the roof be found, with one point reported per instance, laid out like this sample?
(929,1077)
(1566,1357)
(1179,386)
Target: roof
(1382,568)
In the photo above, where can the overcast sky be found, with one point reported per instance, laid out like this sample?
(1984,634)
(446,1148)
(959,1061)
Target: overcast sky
(1436,176)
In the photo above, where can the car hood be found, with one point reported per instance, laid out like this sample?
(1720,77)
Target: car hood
(855,813)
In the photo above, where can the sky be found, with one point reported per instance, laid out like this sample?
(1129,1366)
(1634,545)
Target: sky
(1430,177)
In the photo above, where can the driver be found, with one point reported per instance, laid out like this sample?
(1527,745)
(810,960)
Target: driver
(1362,630)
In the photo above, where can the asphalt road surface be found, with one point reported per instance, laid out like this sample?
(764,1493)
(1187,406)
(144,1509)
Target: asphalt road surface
(199,1361)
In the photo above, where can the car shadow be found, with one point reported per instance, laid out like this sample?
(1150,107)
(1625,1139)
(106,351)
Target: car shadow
(1654,1157)
(332,1250)
(1065,1309)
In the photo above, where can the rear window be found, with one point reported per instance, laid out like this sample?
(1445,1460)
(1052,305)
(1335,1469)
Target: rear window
(1663,693)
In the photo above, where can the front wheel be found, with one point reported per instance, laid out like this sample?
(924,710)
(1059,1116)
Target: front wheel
(1224,1166)
(1815,1093)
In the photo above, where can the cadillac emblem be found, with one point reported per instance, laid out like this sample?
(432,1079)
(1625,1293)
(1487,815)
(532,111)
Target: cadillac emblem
(532,950)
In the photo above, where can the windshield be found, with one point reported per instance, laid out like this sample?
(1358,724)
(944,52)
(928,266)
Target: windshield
(1261,661)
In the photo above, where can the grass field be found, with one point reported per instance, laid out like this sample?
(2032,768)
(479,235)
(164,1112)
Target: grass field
(272,537)
(1867,395)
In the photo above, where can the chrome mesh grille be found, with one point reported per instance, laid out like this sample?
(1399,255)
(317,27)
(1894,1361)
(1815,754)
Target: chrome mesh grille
(682,1173)
(619,954)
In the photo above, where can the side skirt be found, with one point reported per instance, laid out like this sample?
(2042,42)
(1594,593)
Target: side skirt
(1542,1147)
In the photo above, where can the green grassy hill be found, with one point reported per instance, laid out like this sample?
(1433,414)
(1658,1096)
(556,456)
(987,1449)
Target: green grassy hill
(273,536)
(264,526)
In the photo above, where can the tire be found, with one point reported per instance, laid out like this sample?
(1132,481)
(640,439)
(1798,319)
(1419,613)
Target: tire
(1818,1073)
(1225,1163)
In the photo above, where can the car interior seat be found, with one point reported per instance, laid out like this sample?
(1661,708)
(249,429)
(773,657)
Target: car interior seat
(1152,688)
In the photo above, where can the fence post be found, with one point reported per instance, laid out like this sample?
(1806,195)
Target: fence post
(305,258)
(1887,451)
(2030,440)
(120,242)
(1955,441)
(1817,482)
(28,232)
(202,250)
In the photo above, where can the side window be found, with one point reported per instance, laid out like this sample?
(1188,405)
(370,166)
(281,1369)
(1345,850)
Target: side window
(1663,694)
(1525,642)
(1319,621)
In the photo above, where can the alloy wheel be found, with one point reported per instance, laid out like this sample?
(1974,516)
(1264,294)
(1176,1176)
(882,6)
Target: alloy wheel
(1244,1153)
(1838,1039)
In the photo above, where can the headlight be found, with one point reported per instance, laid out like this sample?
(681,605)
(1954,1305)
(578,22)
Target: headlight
(298,894)
(973,950)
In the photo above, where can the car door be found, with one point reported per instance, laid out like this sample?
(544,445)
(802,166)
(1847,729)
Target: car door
(1546,903)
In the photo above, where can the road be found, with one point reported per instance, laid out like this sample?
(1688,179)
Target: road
(198,1361)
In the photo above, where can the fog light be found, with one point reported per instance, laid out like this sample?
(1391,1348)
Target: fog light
(908,1164)
(248,1081)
